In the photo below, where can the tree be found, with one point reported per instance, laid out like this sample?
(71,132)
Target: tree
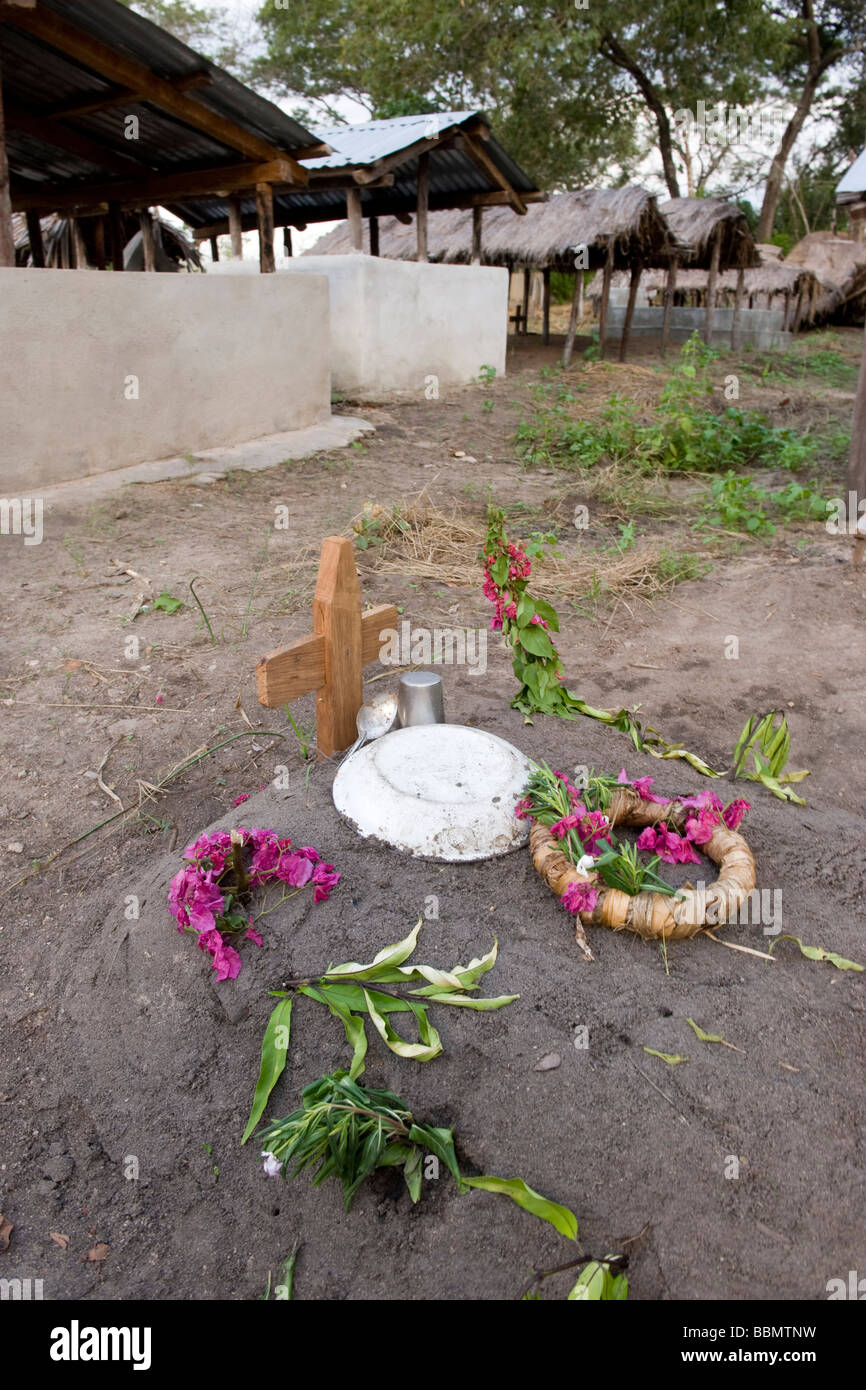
(813,37)
(206,29)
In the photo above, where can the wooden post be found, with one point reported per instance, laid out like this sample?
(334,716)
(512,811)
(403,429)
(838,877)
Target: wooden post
(287,242)
(786,317)
(574,318)
(215,248)
(332,660)
(7,238)
(265,216)
(116,236)
(34,233)
(857,457)
(99,242)
(423,200)
(711,284)
(79,248)
(545,277)
(738,309)
(356,222)
(670,290)
(798,307)
(477,214)
(373,225)
(605,299)
(236,231)
(633,284)
(527,275)
(147,239)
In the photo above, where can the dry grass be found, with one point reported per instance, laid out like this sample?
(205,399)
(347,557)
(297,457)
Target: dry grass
(419,541)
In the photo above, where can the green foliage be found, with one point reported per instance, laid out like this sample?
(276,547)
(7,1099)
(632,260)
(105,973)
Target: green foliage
(598,1283)
(768,747)
(818,953)
(621,868)
(351,993)
(737,503)
(346,1131)
(166,603)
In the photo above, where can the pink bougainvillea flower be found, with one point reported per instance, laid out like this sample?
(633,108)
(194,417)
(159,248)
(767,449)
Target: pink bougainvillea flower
(592,827)
(160,700)
(562,827)
(205,904)
(733,814)
(294,869)
(701,828)
(253,935)
(579,897)
(673,848)
(701,800)
(647,839)
(642,787)
(325,878)
(244,796)
(226,961)
(523,808)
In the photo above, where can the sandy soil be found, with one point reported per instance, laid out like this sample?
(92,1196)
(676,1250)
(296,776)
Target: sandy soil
(118,1044)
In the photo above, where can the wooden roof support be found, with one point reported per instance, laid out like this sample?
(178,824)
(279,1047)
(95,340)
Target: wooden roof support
(155,188)
(736,322)
(545,332)
(374,236)
(574,317)
(477,214)
(353,213)
(712,280)
(236,229)
(634,282)
(265,212)
(34,236)
(125,71)
(423,204)
(7,238)
(670,290)
(116,237)
(147,245)
(605,299)
(479,156)
(527,286)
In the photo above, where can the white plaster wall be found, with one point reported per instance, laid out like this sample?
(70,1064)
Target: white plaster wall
(219,360)
(395,323)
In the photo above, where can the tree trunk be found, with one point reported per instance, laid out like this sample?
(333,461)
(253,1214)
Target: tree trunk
(612,49)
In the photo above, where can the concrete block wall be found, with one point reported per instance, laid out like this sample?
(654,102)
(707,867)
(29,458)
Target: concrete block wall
(99,371)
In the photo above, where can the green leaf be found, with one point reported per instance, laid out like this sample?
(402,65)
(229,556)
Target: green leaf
(166,603)
(673,1059)
(710,1037)
(354,1026)
(561,1217)
(596,1283)
(440,1142)
(466,1001)
(413,1172)
(534,639)
(430,1045)
(818,953)
(547,612)
(383,966)
(274,1054)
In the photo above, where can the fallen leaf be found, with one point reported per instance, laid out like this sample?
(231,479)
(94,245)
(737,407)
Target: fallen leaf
(818,953)
(673,1059)
(62,1241)
(98,1253)
(788,1067)
(710,1037)
(6,1229)
(72,664)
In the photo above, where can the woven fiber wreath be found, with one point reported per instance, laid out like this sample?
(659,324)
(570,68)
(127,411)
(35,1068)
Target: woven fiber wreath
(672,915)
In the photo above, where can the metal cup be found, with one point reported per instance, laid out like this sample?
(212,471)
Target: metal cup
(419,699)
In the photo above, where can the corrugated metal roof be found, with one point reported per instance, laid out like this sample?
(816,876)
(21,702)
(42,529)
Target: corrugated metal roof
(38,78)
(852,183)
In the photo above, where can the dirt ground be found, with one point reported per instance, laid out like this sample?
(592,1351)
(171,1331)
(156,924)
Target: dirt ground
(118,1044)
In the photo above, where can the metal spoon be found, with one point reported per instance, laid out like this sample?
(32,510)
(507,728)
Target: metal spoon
(373,720)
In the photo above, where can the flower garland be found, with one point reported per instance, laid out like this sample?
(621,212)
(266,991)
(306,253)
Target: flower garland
(208,895)
(578,820)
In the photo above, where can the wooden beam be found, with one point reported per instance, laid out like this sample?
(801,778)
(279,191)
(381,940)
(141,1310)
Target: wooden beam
(73,141)
(481,158)
(738,309)
(527,284)
(287,242)
(545,280)
(857,457)
(118,67)
(477,214)
(670,290)
(574,317)
(116,236)
(214,249)
(712,281)
(265,212)
(336,612)
(156,188)
(353,213)
(7,237)
(147,245)
(423,205)
(78,246)
(634,282)
(605,299)
(98,242)
(235,229)
(34,234)
(373,225)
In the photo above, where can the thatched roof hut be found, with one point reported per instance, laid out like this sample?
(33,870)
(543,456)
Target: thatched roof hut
(547,238)
(699,224)
(67,245)
(840,265)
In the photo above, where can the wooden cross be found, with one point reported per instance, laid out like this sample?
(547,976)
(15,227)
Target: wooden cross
(331,661)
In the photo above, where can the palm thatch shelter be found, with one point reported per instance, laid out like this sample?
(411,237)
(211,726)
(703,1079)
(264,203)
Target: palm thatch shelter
(712,235)
(606,229)
(839,264)
(773,280)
